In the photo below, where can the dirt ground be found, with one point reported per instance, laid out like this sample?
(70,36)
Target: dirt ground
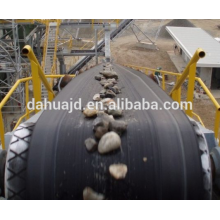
(125,51)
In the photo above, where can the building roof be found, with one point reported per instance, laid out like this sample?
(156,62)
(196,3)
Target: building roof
(190,39)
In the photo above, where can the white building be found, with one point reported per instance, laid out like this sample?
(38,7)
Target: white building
(188,39)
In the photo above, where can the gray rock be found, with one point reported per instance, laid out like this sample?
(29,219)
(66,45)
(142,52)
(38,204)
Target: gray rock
(108,101)
(100,121)
(108,85)
(100,131)
(117,91)
(100,126)
(90,194)
(118,126)
(111,117)
(113,89)
(107,69)
(103,91)
(103,82)
(117,112)
(96,97)
(98,78)
(89,112)
(110,74)
(118,171)
(110,94)
(112,81)
(109,142)
(105,116)
(91,144)
(145,159)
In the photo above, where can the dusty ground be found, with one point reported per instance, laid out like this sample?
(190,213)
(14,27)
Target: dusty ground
(124,51)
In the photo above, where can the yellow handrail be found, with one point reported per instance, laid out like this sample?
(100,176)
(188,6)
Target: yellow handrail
(198,54)
(6,98)
(37,72)
(3,102)
(38,76)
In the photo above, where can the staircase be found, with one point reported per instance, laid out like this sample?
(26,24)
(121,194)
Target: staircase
(49,56)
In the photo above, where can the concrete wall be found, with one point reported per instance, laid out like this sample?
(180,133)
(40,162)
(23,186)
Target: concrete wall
(205,73)
(184,56)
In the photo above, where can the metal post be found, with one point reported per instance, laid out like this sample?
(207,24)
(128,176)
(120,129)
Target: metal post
(142,33)
(163,81)
(134,33)
(77,31)
(62,65)
(36,84)
(191,85)
(217,124)
(27,99)
(38,45)
(2,133)
(96,55)
(107,43)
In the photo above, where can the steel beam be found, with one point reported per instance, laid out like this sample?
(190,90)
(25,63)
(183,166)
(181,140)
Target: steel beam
(107,44)
(62,65)
(31,34)
(92,53)
(96,54)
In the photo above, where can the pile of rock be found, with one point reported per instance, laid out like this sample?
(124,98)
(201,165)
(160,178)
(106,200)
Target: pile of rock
(107,130)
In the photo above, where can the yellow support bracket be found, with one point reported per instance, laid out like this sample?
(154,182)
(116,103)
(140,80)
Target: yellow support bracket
(217,124)
(3,102)
(198,54)
(27,99)
(2,129)
(191,86)
(36,70)
(36,83)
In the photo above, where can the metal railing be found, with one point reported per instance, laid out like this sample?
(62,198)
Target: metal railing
(190,74)
(37,78)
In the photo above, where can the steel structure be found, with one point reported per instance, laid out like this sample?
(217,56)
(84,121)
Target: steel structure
(167,153)
(101,43)
(11,68)
(143,35)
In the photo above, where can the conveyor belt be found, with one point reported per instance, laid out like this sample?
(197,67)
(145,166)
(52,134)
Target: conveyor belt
(59,167)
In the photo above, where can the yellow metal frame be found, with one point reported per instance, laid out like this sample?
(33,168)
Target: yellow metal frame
(190,74)
(38,76)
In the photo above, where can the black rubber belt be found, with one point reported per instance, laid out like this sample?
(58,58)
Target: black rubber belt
(59,167)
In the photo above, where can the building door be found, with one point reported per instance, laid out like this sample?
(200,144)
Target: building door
(215,78)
